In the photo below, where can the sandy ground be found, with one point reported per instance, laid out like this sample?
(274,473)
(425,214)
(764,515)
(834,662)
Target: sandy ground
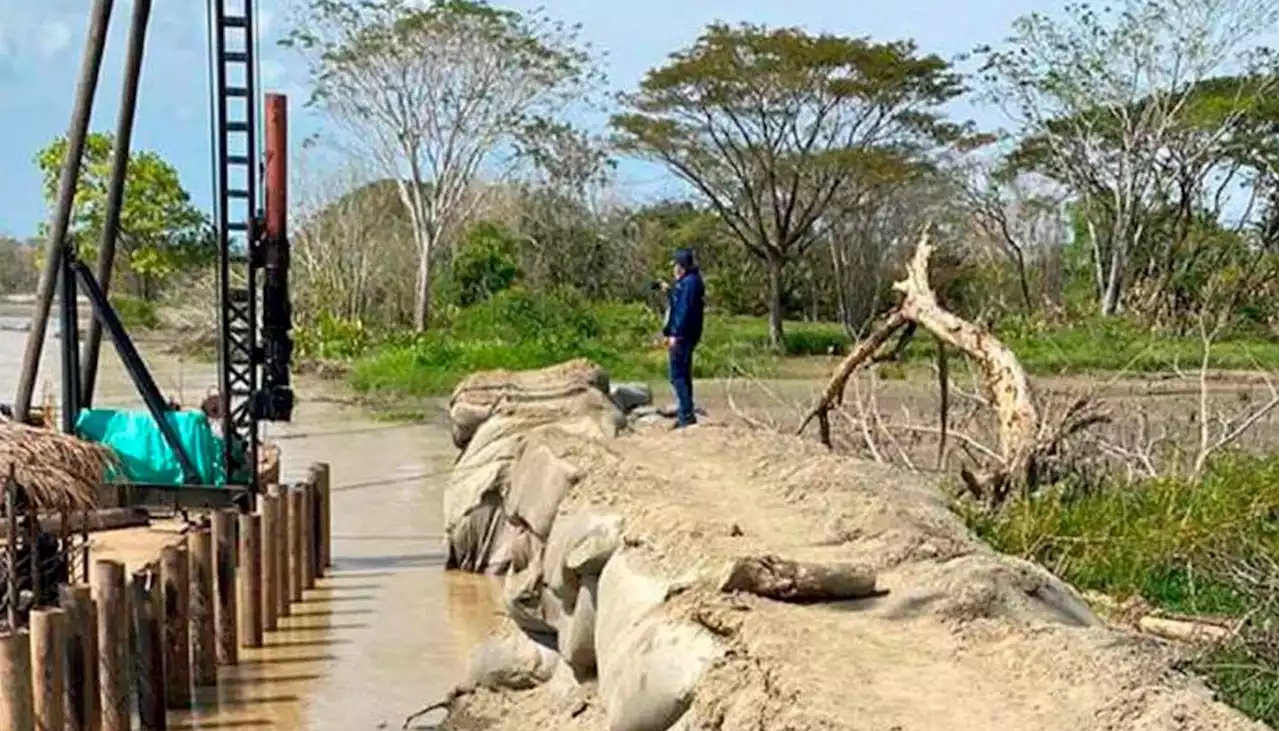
(962,638)
(136,547)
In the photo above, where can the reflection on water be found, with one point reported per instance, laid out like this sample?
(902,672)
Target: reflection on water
(388,631)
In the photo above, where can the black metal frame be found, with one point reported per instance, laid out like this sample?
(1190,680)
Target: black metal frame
(238,353)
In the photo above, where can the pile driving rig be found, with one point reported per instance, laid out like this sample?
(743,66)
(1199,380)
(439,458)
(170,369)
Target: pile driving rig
(252,258)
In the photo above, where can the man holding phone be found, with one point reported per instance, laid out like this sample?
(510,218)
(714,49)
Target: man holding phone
(683,330)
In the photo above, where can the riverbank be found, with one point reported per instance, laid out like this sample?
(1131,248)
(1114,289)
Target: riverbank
(722,577)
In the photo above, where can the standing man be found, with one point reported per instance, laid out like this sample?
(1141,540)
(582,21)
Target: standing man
(683,330)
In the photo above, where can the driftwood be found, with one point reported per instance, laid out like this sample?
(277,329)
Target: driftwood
(1181,630)
(796,581)
(1022,438)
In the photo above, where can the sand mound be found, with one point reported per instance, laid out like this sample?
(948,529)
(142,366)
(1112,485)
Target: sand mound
(624,551)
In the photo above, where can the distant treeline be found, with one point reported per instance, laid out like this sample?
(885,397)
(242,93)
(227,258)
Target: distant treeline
(19,269)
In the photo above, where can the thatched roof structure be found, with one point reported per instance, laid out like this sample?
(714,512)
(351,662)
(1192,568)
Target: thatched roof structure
(58,471)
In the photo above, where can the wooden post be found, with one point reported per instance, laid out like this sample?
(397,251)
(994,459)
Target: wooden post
(148,634)
(204,651)
(11,546)
(250,580)
(295,544)
(308,535)
(175,584)
(267,509)
(81,660)
(108,579)
(48,668)
(321,479)
(224,585)
(16,702)
(281,557)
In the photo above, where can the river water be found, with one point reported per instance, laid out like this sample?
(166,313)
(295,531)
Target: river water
(387,632)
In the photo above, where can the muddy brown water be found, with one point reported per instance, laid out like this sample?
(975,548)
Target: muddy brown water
(388,631)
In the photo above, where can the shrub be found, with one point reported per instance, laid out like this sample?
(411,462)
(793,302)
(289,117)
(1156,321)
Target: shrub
(136,313)
(1183,547)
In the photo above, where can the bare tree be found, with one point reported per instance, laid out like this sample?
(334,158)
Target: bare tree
(1020,222)
(436,94)
(349,245)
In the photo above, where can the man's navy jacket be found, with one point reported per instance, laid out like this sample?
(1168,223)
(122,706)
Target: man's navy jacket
(685,301)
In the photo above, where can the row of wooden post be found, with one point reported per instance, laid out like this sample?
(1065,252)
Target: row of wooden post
(83,665)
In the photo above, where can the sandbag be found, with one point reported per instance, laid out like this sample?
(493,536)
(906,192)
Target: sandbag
(466,490)
(477,396)
(630,395)
(539,481)
(576,640)
(464,419)
(471,539)
(498,439)
(580,544)
(649,664)
(515,548)
(509,661)
(523,597)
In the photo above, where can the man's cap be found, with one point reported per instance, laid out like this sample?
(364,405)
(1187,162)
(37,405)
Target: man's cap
(683,257)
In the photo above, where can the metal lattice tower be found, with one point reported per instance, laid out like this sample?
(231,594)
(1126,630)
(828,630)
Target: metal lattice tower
(237,217)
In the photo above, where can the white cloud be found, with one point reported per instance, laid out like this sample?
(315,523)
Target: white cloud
(53,37)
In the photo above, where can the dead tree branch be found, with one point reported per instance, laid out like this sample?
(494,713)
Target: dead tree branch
(1023,439)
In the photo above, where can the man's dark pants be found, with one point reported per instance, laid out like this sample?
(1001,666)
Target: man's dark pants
(680,367)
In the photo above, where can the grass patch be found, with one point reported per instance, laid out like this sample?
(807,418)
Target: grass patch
(518,330)
(1115,344)
(1183,547)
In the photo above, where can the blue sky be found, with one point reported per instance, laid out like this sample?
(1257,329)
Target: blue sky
(41,43)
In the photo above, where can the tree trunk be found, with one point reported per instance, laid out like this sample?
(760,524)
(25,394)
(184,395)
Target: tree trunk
(1110,304)
(777,339)
(422,291)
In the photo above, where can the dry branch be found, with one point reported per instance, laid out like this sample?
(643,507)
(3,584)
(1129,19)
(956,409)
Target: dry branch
(1023,438)
(796,581)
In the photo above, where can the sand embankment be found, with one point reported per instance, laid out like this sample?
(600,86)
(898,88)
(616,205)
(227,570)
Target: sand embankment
(656,579)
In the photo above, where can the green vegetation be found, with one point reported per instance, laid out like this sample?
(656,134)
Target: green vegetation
(1132,203)
(516,329)
(161,232)
(1206,548)
(136,313)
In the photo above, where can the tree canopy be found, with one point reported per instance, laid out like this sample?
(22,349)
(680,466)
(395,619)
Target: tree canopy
(161,230)
(768,124)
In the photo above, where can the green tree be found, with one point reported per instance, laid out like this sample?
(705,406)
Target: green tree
(161,231)
(485,264)
(435,93)
(764,124)
(1111,104)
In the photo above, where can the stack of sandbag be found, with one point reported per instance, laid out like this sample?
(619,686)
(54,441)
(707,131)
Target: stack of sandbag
(567,580)
(493,522)
(478,396)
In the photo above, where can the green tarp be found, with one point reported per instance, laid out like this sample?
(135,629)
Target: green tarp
(145,456)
